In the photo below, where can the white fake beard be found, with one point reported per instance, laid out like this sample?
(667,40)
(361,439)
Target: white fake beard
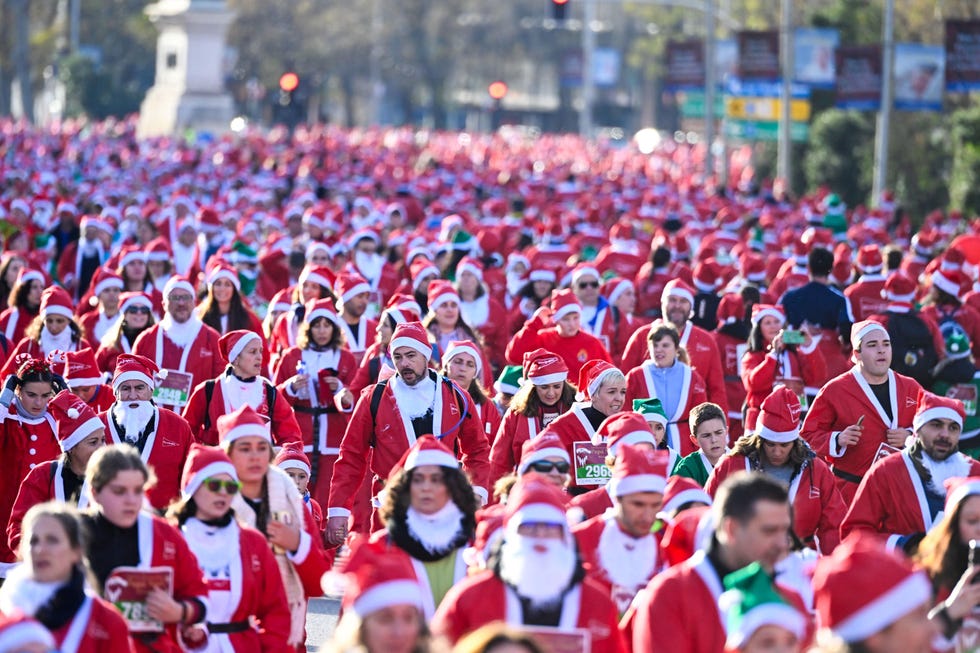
(133,419)
(88,247)
(60,342)
(540,576)
(369,264)
(436,531)
(181,334)
(955,466)
(414,400)
(21,592)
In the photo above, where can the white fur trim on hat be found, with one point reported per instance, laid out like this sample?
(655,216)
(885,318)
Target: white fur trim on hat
(247,430)
(537,513)
(81,432)
(597,382)
(885,609)
(19,635)
(213,469)
(423,349)
(57,309)
(136,300)
(585,271)
(464,349)
(240,346)
(542,275)
(536,456)
(945,284)
(224,273)
(108,282)
(960,493)
(32,275)
(176,283)
(385,595)
(354,292)
(442,298)
(84,382)
(132,376)
(687,496)
(939,412)
(317,313)
(319,279)
(677,291)
(867,329)
(636,437)
(420,457)
(135,255)
(574,307)
(295,464)
(548,378)
(471,268)
(782,437)
(620,288)
(768,312)
(619,487)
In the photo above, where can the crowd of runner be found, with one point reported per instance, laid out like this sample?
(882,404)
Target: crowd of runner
(499,393)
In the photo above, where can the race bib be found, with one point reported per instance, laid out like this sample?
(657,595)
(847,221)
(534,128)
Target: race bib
(967,393)
(174,389)
(553,640)
(127,589)
(590,464)
(884,451)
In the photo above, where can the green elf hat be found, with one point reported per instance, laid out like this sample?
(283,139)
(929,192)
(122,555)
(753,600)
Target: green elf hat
(509,381)
(651,409)
(751,601)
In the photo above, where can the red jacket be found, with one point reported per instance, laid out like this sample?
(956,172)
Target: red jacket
(104,629)
(639,385)
(731,349)
(864,297)
(514,430)
(575,351)
(201,359)
(32,347)
(649,289)
(14,322)
(798,369)
(43,483)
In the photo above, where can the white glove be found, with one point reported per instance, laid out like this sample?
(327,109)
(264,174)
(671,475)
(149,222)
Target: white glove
(4,412)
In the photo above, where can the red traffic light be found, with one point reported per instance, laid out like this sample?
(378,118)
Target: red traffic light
(288,82)
(497,90)
(560,2)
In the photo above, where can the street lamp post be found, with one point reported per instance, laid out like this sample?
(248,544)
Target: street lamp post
(885,112)
(585,124)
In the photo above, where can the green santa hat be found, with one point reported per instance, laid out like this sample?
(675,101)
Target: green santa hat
(509,381)
(651,409)
(751,601)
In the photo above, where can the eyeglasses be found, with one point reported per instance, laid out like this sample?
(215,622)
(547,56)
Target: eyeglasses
(545,466)
(588,284)
(178,299)
(216,485)
(138,309)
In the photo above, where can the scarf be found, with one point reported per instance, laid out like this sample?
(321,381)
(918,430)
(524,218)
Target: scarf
(404,536)
(437,531)
(60,342)
(413,401)
(53,604)
(181,334)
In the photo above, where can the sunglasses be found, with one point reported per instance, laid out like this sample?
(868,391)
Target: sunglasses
(545,466)
(216,485)
(138,309)
(588,284)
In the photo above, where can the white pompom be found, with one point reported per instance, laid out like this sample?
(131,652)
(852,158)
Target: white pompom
(73,413)
(162,374)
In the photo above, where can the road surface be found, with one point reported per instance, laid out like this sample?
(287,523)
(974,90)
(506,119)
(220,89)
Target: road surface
(321,618)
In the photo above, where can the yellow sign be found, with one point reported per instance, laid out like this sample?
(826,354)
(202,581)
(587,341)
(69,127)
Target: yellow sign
(765,108)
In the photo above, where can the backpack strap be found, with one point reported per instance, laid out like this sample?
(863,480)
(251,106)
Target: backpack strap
(270,398)
(376,394)
(208,393)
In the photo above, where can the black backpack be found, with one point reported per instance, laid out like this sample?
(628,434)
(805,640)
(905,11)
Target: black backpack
(913,349)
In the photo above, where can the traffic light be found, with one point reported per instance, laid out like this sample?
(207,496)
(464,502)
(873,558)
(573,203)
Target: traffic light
(288,83)
(497,90)
(558,9)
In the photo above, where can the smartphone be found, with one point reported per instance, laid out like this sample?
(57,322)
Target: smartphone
(793,337)
(282,517)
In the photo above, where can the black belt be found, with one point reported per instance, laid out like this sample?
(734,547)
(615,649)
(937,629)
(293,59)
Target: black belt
(233,627)
(312,411)
(847,476)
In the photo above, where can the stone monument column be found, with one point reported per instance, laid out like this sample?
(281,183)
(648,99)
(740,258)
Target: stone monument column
(189,90)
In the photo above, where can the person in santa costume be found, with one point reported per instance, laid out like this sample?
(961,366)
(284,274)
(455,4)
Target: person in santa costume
(757,618)
(770,361)
(315,283)
(182,345)
(531,293)
(247,608)
(603,389)
(223,308)
(392,414)
(864,413)
(377,358)
(777,450)
(445,324)
(945,303)
(314,377)
(80,259)
(269,502)
(865,296)
(19,632)
(752,521)
(709,432)
(27,433)
(242,383)
(137,316)
(558,328)
(160,436)
(871,600)
(463,363)
(50,586)
(676,303)
(372,266)
(52,333)
(481,311)
(80,434)
(618,547)
(292,460)
(23,304)
(668,377)
(429,509)
(353,295)
(534,579)
(106,288)
(545,456)
(545,394)
(597,317)
(621,295)
(903,495)
(121,534)
(651,279)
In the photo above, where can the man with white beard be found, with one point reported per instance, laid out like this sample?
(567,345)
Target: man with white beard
(534,580)
(182,345)
(80,260)
(161,436)
(368,263)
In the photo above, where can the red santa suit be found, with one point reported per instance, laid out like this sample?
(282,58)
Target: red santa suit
(624,264)
(70,264)
(964,315)
(14,322)
(549,257)
(243,584)
(864,297)
(817,504)
(201,358)
(484,598)
(731,350)
(640,385)
(574,427)
(369,368)
(515,429)
(800,370)
(575,351)
(95,324)
(839,404)
(701,349)
(892,499)
(102,398)
(46,482)
(358,343)
(650,282)
(165,450)
(33,348)
(490,418)
(96,628)
(487,316)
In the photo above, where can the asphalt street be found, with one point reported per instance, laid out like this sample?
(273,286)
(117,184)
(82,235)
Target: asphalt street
(321,618)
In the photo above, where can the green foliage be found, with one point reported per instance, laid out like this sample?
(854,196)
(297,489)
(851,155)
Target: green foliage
(964,185)
(92,91)
(919,162)
(841,154)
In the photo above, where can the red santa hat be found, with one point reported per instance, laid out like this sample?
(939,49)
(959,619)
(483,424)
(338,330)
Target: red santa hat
(243,423)
(204,462)
(26,275)
(471,265)
(899,287)
(292,456)
(639,470)
(350,285)
(224,271)
(951,282)
(421,269)
(760,311)
(104,279)
(280,301)
(412,335)
(321,308)
(178,282)
(457,347)
(130,254)
(129,300)
(74,419)
(563,302)
(533,499)
(379,576)
(133,367)
(779,418)
(18,631)
(403,308)
(81,370)
(869,259)
(318,274)
(863,329)
(731,308)
(95,222)
(542,274)
(953,259)
(427,450)
(440,292)
(931,406)
(615,287)
(584,270)
(542,367)
(681,490)
(233,343)
(158,250)
(708,275)
(959,490)
(542,446)
(208,219)
(889,588)
(55,300)
(591,376)
(678,288)
(625,428)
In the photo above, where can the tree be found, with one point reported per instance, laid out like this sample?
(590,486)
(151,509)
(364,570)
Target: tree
(964,186)
(841,154)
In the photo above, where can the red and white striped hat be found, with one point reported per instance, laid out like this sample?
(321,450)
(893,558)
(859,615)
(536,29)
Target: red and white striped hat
(243,423)
(779,418)
(56,301)
(75,419)
(202,463)
(931,406)
(542,367)
(81,370)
